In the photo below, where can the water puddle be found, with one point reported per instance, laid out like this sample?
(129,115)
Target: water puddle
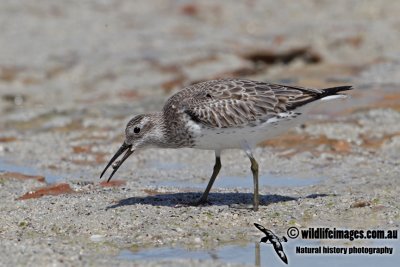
(264,255)
(233,253)
(167,166)
(247,182)
(10,167)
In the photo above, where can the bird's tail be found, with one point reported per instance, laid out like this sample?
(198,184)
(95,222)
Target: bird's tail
(332,93)
(335,90)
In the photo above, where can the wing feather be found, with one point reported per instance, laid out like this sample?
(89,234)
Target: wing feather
(237,103)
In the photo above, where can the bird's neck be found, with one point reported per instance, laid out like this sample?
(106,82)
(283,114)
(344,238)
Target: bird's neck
(166,132)
(169,131)
(157,136)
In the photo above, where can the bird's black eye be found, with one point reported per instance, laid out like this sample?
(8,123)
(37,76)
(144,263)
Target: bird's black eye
(136,130)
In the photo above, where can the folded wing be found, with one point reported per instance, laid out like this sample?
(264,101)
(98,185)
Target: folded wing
(236,103)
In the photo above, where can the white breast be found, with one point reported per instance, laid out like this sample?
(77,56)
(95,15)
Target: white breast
(225,138)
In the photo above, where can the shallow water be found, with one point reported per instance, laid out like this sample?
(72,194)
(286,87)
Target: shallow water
(261,254)
(11,167)
(164,165)
(222,181)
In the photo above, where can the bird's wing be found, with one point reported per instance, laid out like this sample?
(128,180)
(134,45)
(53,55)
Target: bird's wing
(260,227)
(279,250)
(283,257)
(236,103)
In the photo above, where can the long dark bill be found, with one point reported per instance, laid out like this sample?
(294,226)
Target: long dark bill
(119,163)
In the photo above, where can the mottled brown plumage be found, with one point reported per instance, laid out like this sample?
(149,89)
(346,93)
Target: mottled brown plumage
(221,114)
(236,103)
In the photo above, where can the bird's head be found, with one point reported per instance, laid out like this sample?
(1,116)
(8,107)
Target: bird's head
(142,131)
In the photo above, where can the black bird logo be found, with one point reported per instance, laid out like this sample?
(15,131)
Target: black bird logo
(274,240)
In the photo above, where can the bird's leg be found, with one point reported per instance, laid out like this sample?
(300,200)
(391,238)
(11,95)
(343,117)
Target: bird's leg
(254,170)
(217,168)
